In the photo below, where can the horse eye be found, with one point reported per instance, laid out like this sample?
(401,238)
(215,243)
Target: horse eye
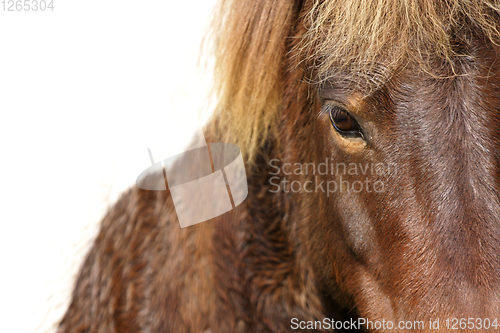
(343,122)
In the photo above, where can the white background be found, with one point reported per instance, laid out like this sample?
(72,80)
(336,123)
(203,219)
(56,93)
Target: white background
(84,90)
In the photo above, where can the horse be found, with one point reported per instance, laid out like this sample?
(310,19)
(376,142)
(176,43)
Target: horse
(370,131)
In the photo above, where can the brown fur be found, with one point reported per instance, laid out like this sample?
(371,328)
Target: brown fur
(425,248)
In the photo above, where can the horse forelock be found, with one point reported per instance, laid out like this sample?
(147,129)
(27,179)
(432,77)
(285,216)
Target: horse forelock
(369,39)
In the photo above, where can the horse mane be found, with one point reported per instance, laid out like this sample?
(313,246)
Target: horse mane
(360,39)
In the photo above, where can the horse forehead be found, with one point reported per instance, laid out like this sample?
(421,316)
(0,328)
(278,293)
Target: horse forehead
(476,76)
(472,86)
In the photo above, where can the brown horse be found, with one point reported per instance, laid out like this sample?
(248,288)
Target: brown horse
(371,132)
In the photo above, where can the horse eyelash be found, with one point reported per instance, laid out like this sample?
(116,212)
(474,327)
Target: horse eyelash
(327,108)
(324,110)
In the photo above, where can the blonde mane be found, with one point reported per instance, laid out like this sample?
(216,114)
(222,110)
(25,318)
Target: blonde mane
(252,38)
